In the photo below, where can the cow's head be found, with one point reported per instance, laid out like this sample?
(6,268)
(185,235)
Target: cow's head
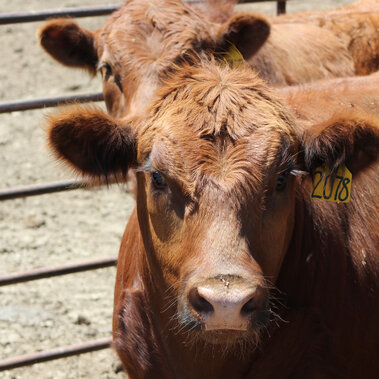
(217,158)
(142,42)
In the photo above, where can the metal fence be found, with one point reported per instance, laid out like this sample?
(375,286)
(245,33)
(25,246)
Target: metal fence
(45,188)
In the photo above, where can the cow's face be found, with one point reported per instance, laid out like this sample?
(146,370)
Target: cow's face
(142,43)
(216,197)
(215,161)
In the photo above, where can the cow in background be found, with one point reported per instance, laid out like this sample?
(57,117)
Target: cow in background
(227,267)
(355,24)
(144,40)
(331,96)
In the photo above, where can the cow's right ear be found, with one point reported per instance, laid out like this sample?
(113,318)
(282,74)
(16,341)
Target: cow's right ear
(93,143)
(69,44)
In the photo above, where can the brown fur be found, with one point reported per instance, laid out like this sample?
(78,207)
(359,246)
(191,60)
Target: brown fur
(221,139)
(299,53)
(142,42)
(332,95)
(99,137)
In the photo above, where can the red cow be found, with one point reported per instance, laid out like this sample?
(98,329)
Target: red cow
(332,95)
(227,267)
(145,39)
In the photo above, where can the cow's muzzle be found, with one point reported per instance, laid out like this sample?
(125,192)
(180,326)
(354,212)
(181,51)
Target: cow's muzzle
(227,303)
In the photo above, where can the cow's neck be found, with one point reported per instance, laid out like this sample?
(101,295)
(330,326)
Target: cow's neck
(316,255)
(321,256)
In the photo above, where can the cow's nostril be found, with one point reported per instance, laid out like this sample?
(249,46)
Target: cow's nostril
(249,307)
(198,302)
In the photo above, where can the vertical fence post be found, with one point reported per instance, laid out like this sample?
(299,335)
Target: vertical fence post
(280,7)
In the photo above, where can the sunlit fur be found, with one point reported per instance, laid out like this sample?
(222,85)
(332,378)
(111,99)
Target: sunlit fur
(333,96)
(214,103)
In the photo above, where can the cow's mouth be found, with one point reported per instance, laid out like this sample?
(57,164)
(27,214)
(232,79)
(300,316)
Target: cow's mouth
(224,340)
(196,329)
(226,336)
(251,334)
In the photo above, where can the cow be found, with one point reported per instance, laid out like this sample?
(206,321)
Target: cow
(356,24)
(332,95)
(227,267)
(145,39)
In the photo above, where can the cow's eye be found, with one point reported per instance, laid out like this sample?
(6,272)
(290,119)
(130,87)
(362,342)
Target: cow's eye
(281,182)
(106,70)
(158,180)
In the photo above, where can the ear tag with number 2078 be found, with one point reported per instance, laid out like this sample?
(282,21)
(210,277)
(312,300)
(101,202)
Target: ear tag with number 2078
(322,188)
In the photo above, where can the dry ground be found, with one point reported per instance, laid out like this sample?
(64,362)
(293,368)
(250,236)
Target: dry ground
(59,228)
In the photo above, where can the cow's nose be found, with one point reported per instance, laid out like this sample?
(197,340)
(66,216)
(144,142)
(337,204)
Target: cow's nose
(225,308)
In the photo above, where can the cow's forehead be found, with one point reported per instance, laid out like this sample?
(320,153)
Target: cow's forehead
(211,99)
(213,121)
(153,31)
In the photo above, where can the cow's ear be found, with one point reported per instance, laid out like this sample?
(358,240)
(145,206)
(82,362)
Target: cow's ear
(351,140)
(247,31)
(92,142)
(69,44)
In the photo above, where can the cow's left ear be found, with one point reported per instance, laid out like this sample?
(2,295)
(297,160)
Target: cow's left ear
(93,143)
(351,140)
(69,44)
(247,31)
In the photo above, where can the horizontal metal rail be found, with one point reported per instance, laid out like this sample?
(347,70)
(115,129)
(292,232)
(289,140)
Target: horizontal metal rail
(48,272)
(49,355)
(40,189)
(30,16)
(97,10)
(47,102)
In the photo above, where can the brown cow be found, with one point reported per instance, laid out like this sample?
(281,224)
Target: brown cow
(331,96)
(143,40)
(227,267)
(356,24)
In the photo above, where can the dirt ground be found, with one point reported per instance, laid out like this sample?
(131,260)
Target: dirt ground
(59,228)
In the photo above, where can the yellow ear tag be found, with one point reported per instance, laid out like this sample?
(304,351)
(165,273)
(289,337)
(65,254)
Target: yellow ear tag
(322,188)
(233,56)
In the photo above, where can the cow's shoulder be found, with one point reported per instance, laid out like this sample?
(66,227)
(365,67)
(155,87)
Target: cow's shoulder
(136,340)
